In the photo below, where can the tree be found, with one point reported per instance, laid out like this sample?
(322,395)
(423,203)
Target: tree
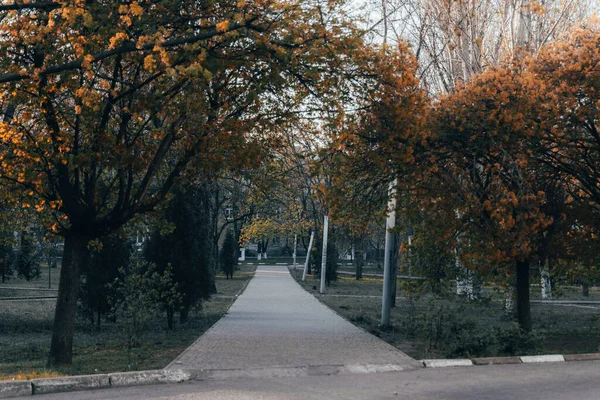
(6,261)
(331,260)
(27,262)
(228,254)
(485,150)
(569,141)
(113,254)
(106,105)
(379,143)
(455,40)
(184,250)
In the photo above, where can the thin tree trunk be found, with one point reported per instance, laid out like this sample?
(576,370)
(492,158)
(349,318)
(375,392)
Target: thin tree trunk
(183,315)
(170,314)
(358,263)
(523,304)
(61,346)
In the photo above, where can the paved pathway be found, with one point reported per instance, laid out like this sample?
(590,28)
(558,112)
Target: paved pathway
(277,324)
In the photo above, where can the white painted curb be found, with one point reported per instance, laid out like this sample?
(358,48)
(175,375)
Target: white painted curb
(542,359)
(447,363)
(372,368)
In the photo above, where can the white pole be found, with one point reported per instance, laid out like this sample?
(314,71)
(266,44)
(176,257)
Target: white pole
(324,256)
(390,223)
(295,243)
(310,243)
(546,285)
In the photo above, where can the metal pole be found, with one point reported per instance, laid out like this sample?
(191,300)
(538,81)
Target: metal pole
(310,243)
(390,223)
(295,243)
(324,256)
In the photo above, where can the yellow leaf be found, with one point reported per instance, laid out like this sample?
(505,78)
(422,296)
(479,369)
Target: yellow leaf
(136,9)
(223,26)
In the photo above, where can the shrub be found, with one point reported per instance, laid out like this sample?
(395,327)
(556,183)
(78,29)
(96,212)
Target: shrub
(515,341)
(140,294)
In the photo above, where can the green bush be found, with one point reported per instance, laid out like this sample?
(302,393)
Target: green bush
(515,341)
(140,294)
(454,332)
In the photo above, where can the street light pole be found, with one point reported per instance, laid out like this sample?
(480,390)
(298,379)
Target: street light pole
(324,255)
(386,301)
(295,244)
(310,243)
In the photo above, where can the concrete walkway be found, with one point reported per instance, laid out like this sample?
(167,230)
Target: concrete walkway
(275,324)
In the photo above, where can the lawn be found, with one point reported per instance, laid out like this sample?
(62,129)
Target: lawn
(426,325)
(25,331)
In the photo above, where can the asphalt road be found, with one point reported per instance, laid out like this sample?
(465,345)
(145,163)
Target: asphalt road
(550,381)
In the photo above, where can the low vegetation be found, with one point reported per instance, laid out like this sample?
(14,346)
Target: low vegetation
(26,328)
(444,325)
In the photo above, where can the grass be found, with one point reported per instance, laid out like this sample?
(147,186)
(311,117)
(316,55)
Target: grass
(26,328)
(424,325)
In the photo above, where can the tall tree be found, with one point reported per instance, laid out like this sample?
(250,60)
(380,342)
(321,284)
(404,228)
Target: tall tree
(228,253)
(456,39)
(102,268)
(185,250)
(106,105)
(570,141)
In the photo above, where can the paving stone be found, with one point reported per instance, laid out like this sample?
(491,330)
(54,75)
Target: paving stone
(275,323)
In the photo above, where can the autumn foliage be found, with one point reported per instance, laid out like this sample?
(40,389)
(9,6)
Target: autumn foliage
(500,172)
(107,105)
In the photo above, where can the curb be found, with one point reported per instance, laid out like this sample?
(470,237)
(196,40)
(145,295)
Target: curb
(582,357)
(15,389)
(86,382)
(497,360)
(542,359)
(441,363)
(299,371)
(547,358)
(69,384)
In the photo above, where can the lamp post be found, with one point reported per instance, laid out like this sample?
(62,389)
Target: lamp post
(386,301)
(324,255)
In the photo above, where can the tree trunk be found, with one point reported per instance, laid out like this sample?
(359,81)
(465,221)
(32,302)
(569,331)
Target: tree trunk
(61,346)
(183,315)
(358,263)
(170,314)
(523,304)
